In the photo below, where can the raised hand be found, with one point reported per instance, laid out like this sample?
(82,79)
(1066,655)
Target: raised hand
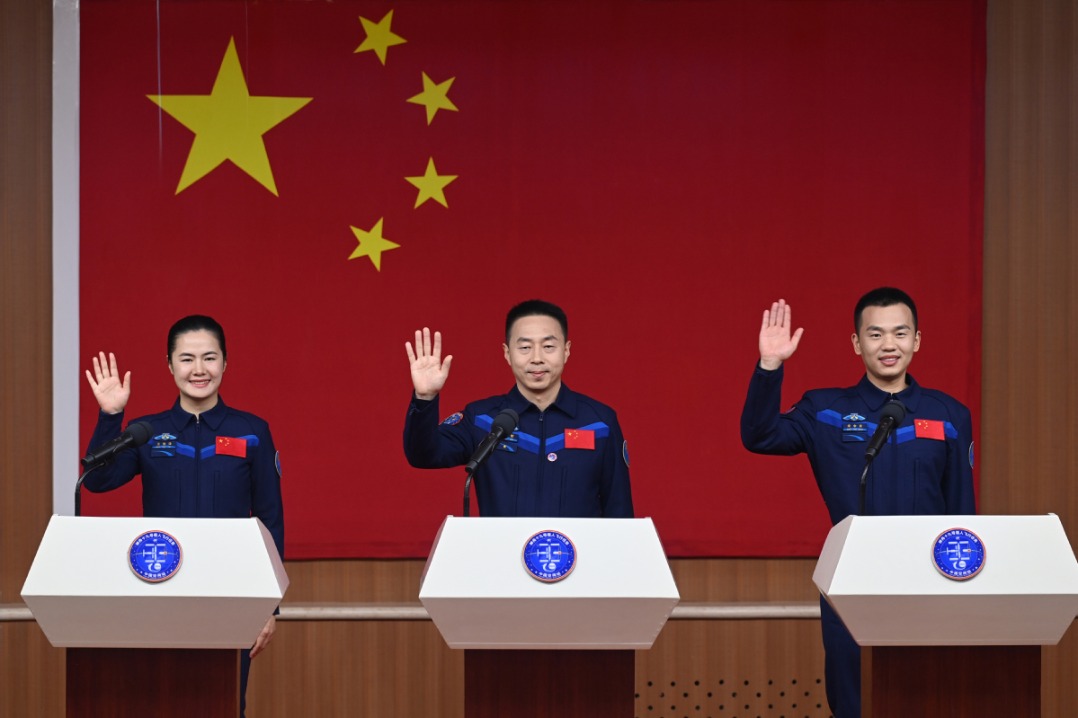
(429,372)
(776,343)
(111,393)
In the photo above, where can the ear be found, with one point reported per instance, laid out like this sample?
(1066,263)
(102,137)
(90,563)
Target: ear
(568,345)
(505,349)
(224,365)
(170,369)
(917,340)
(856,344)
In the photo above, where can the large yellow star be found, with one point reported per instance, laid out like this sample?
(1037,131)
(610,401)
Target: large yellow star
(434,97)
(379,37)
(228,124)
(431,185)
(372,244)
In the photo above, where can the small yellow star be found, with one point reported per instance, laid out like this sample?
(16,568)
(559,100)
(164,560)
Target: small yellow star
(372,244)
(379,37)
(228,124)
(431,185)
(434,97)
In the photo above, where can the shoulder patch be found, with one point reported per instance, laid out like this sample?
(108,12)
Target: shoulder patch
(452,419)
(971,454)
(277,463)
(625,451)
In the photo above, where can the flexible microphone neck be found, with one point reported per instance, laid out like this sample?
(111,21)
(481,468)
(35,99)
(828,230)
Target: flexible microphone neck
(502,426)
(892,415)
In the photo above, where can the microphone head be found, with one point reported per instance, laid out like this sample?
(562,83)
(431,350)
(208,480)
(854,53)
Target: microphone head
(506,420)
(140,432)
(895,410)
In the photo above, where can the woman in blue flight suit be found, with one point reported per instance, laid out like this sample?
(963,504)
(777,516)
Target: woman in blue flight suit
(205,459)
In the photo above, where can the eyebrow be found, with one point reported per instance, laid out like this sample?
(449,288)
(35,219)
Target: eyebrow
(529,339)
(880,329)
(205,354)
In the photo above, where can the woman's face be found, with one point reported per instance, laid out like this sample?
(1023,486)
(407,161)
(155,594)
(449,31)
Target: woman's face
(197,365)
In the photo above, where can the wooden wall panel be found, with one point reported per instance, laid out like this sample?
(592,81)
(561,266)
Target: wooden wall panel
(334,668)
(1029,423)
(31,671)
(733,668)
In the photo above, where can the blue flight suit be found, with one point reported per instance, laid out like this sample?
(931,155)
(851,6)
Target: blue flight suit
(531,473)
(912,475)
(183,475)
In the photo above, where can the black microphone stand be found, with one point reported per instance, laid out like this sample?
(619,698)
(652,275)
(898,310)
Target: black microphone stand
(78,490)
(468,492)
(864,478)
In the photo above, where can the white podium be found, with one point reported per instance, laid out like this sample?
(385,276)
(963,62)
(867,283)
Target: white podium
(548,648)
(85,596)
(942,646)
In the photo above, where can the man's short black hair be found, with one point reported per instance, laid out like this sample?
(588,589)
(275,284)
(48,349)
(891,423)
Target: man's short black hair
(883,297)
(534,308)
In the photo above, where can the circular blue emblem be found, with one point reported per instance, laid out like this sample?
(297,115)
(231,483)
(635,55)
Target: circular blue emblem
(549,556)
(958,554)
(452,419)
(155,556)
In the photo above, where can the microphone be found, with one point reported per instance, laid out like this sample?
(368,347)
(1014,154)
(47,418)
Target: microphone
(135,435)
(892,415)
(503,424)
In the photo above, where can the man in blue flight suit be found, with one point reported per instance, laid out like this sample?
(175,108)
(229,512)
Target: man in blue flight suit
(925,468)
(567,456)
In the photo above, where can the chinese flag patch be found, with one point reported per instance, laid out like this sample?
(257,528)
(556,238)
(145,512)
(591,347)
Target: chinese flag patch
(228,446)
(928,429)
(579,439)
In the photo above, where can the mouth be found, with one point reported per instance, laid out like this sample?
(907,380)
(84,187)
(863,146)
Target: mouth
(199,383)
(537,374)
(889,361)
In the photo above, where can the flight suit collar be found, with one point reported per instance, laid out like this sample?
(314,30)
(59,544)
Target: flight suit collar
(213,418)
(875,398)
(566,401)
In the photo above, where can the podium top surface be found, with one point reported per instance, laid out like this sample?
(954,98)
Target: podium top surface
(892,555)
(475,557)
(83,592)
(480,595)
(87,556)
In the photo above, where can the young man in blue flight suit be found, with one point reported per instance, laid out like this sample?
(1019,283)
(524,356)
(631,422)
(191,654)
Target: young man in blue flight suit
(566,457)
(925,468)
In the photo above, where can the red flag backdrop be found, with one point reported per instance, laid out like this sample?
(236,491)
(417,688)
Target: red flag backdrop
(663,170)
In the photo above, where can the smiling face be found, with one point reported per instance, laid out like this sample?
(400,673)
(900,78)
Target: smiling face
(197,365)
(537,352)
(886,342)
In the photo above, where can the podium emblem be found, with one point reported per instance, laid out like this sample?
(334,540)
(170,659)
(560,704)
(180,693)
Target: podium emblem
(958,554)
(155,556)
(549,556)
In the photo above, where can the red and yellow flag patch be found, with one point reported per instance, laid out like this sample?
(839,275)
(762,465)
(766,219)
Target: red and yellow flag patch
(228,446)
(928,429)
(579,439)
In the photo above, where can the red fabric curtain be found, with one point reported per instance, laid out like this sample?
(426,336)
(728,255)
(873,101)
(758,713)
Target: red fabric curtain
(662,170)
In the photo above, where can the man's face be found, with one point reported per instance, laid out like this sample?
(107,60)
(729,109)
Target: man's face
(886,343)
(537,353)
